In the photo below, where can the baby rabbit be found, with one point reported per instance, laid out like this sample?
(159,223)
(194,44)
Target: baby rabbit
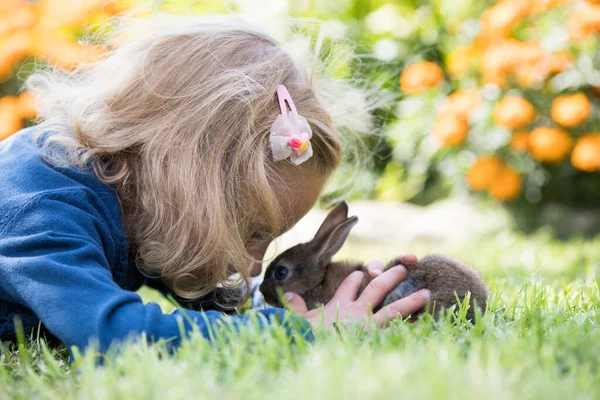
(307,270)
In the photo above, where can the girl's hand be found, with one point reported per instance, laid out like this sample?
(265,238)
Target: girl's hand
(375,267)
(345,307)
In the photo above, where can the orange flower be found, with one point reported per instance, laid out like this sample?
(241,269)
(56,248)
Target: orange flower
(483,172)
(559,62)
(550,145)
(417,78)
(584,22)
(23,17)
(10,121)
(530,52)
(586,154)
(540,66)
(450,129)
(6,70)
(121,6)
(7,5)
(495,77)
(544,5)
(65,53)
(507,184)
(25,106)
(571,110)
(462,103)
(500,19)
(511,56)
(61,13)
(18,46)
(459,61)
(519,141)
(514,112)
(501,57)
(528,75)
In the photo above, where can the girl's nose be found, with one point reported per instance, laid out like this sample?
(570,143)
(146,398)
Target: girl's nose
(257,254)
(255,268)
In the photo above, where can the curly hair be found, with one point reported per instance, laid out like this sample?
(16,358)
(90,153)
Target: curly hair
(177,119)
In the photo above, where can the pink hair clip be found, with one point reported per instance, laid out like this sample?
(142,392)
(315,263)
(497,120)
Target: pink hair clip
(290,133)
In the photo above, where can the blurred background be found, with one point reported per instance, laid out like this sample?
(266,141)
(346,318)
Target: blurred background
(492,123)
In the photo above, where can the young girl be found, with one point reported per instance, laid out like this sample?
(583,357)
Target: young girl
(164,165)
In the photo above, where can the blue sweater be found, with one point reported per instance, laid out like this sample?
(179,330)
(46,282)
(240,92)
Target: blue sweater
(64,259)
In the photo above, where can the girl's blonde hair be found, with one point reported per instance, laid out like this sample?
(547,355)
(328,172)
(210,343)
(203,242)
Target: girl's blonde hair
(178,120)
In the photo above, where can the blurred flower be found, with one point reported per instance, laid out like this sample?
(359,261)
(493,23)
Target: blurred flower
(519,141)
(25,106)
(538,68)
(545,5)
(483,172)
(551,145)
(462,103)
(571,110)
(64,53)
(45,29)
(500,19)
(507,184)
(586,154)
(514,112)
(5,71)
(7,5)
(583,22)
(460,60)
(450,129)
(388,18)
(386,49)
(56,14)
(513,57)
(16,47)
(10,121)
(419,77)
(21,16)
(559,62)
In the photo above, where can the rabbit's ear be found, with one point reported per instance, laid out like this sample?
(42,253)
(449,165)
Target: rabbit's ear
(331,242)
(335,217)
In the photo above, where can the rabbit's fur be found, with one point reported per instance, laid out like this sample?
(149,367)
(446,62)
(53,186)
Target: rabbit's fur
(312,275)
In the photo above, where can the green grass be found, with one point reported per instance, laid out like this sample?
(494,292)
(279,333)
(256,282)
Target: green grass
(540,341)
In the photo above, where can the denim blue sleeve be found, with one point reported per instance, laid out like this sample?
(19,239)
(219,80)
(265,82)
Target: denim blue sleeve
(53,261)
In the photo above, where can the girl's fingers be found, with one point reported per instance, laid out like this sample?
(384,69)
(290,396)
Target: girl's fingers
(403,307)
(375,268)
(408,259)
(379,287)
(349,288)
(296,302)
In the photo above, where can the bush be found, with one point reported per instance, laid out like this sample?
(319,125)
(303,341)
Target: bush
(512,116)
(497,98)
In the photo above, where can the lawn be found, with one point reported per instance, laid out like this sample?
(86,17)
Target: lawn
(541,340)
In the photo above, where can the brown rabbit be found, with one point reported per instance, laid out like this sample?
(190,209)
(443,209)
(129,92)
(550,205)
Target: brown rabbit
(307,270)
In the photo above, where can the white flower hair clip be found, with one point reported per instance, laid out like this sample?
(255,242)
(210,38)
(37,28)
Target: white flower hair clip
(290,133)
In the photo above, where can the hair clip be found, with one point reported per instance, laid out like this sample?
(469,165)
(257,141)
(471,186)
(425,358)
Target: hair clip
(290,133)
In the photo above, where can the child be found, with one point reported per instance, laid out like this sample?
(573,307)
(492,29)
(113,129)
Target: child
(169,163)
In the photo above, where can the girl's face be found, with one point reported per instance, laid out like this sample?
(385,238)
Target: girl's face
(296,198)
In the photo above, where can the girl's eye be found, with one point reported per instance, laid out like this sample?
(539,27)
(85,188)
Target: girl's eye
(260,235)
(281,273)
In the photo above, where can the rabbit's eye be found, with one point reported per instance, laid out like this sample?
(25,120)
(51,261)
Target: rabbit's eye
(281,273)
